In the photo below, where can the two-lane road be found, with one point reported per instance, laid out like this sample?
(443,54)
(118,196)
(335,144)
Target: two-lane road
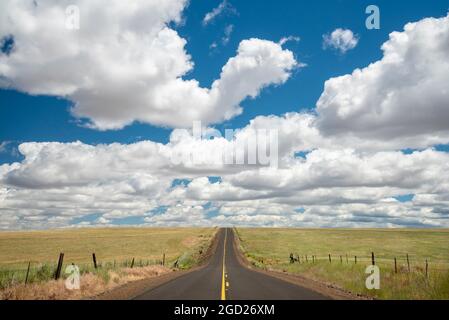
(225,277)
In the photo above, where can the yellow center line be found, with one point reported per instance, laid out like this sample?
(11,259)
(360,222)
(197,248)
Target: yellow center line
(223,278)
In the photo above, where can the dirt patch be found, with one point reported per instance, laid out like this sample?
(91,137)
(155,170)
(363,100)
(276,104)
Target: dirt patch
(326,289)
(190,241)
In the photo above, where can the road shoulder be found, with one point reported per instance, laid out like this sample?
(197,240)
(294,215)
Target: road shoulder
(133,289)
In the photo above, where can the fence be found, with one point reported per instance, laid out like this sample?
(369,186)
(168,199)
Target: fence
(36,272)
(400,263)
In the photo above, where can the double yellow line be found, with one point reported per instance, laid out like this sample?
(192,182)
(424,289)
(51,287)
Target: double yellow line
(223,278)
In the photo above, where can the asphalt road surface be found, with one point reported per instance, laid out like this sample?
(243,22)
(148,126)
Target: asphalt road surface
(225,278)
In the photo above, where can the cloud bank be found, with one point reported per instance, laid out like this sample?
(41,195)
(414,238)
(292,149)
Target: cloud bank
(342,165)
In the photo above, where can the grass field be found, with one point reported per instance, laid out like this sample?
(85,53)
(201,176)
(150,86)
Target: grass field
(271,248)
(114,247)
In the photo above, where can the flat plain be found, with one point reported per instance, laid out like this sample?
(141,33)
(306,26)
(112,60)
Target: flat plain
(109,244)
(122,255)
(271,248)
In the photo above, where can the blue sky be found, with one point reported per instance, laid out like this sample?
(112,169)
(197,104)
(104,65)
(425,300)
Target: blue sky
(370,149)
(42,118)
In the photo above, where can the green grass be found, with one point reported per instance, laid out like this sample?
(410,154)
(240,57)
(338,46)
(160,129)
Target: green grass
(114,248)
(271,248)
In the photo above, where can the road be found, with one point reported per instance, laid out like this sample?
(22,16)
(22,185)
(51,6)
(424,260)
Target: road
(225,278)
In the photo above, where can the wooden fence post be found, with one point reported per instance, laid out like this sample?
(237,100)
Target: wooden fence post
(163,259)
(395,265)
(373,261)
(132,263)
(355,259)
(94,258)
(427,268)
(330,259)
(313,259)
(341,259)
(28,272)
(307,260)
(408,263)
(347,261)
(59,267)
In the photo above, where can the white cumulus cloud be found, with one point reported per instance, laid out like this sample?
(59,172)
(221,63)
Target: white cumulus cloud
(131,71)
(341,39)
(404,96)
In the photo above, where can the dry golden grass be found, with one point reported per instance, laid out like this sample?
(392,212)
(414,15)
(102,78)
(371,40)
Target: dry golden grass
(115,248)
(109,244)
(90,285)
(270,249)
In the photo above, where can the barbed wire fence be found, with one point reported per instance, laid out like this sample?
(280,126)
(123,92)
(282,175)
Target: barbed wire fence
(34,271)
(400,263)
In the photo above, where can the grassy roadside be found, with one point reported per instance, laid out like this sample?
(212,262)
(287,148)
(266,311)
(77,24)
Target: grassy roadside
(115,249)
(271,249)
